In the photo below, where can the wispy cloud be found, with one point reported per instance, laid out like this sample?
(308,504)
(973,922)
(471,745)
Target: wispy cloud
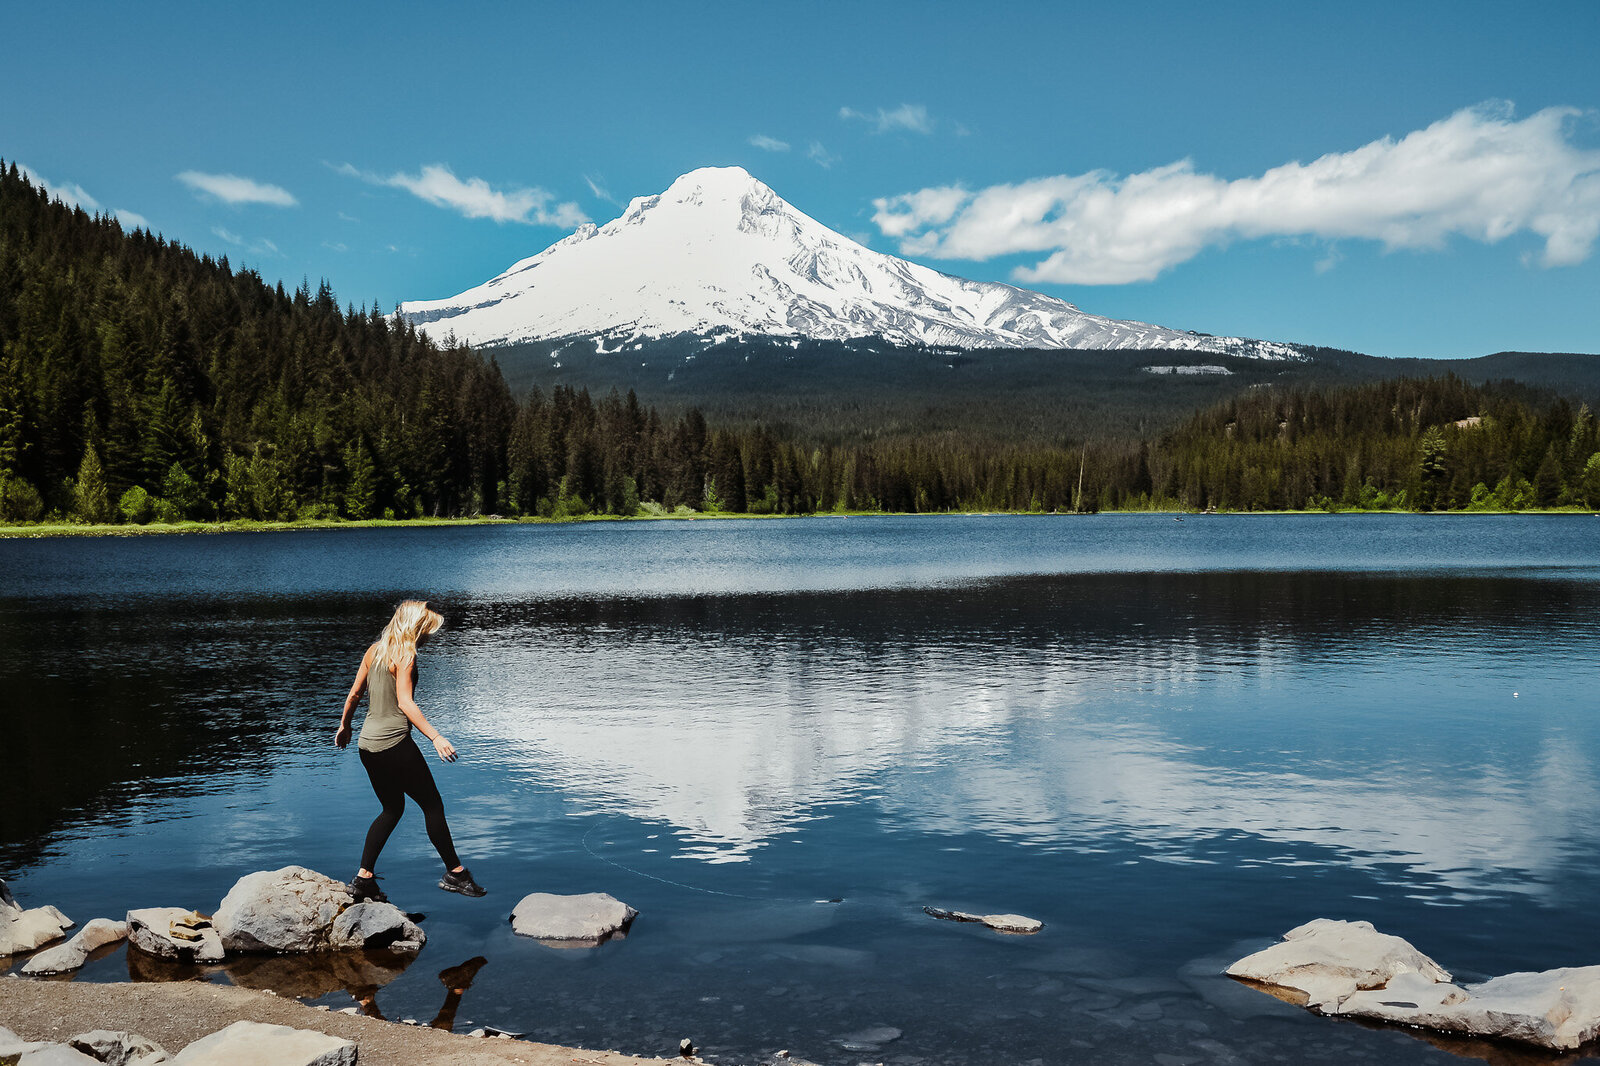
(768,144)
(475,198)
(232,189)
(910,117)
(820,155)
(259,247)
(72,193)
(1479,174)
(600,192)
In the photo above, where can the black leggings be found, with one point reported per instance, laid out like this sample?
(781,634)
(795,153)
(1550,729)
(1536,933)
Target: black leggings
(396,773)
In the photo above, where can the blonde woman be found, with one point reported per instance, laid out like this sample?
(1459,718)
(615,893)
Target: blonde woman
(394,763)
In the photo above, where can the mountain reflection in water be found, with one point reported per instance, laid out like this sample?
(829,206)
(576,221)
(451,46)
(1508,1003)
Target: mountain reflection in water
(1170,742)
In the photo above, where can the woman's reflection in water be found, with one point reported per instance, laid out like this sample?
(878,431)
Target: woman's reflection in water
(456,981)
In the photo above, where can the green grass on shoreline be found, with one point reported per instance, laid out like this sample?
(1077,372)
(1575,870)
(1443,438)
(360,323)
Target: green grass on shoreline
(69,529)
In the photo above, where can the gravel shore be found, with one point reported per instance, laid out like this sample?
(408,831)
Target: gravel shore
(174,1014)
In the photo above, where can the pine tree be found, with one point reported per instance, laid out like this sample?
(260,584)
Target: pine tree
(361,492)
(92,500)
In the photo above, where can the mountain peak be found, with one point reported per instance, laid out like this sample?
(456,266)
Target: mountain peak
(719,251)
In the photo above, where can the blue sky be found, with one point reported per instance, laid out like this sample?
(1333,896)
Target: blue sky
(1139,159)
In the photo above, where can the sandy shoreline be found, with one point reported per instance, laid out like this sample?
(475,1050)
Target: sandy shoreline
(177,1013)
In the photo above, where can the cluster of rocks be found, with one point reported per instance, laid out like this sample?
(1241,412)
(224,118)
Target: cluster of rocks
(241,1042)
(1349,969)
(279,912)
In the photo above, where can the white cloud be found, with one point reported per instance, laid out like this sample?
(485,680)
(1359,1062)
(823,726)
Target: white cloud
(72,193)
(820,155)
(260,247)
(1480,174)
(600,192)
(475,198)
(769,144)
(232,189)
(911,117)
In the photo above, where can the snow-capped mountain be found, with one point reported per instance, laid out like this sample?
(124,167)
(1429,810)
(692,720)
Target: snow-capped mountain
(719,253)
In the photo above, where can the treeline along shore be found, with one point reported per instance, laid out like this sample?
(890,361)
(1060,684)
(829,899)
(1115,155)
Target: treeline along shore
(142,383)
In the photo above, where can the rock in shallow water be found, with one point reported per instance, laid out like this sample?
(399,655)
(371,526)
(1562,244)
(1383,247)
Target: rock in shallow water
(1350,969)
(375,925)
(1004,923)
(287,910)
(174,933)
(64,958)
(24,930)
(587,918)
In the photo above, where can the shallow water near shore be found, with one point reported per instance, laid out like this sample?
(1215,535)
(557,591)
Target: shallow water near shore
(1170,741)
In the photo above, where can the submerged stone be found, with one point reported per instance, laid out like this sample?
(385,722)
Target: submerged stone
(1004,923)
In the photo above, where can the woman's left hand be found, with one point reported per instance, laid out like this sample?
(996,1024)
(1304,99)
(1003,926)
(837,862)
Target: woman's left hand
(446,750)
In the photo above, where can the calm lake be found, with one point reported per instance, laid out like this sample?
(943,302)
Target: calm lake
(1169,740)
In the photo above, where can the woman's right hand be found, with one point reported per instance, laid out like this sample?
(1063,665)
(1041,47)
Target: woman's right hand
(446,750)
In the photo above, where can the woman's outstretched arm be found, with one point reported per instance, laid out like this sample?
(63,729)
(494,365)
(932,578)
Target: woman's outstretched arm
(341,736)
(405,682)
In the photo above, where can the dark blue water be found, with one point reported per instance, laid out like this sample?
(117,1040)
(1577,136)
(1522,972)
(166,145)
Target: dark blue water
(1170,741)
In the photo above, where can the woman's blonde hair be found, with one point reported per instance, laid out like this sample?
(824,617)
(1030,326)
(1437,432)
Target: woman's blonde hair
(411,622)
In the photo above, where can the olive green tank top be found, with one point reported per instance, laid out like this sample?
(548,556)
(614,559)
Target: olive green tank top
(385,724)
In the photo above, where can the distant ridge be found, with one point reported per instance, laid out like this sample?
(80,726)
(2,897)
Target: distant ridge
(720,255)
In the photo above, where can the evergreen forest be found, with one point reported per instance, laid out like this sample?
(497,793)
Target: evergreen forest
(141,382)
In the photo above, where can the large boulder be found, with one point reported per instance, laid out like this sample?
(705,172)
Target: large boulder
(375,925)
(119,1048)
(587,918)
(259,1044)
(1351,970)
(287,910)
(174,933)
(26,930)
(74,953)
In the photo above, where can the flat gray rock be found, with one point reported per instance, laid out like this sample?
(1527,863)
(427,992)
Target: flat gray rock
(1351,970)
(63,958)
(287,910)
(1004,923)
(258,1044)
(174,933)
(118,1048)
(376,925)
(587,918)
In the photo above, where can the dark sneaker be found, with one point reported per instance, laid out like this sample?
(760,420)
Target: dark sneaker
(461,882)
(365,889)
